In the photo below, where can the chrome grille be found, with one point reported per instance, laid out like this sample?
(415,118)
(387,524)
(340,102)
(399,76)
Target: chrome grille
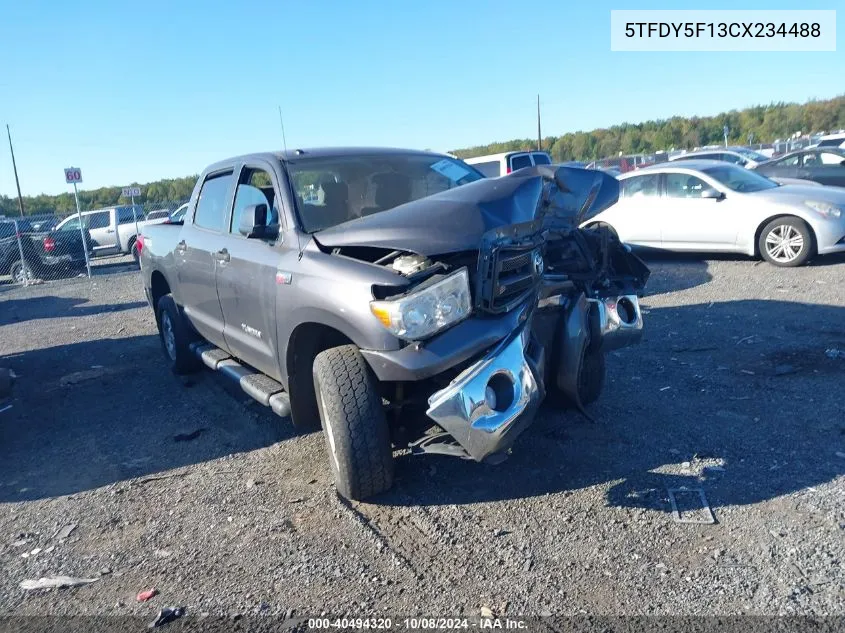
(507,276)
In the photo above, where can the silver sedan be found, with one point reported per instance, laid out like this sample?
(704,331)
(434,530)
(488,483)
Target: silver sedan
(705,205)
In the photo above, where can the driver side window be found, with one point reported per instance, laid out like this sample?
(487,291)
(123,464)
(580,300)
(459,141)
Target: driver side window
(684,186)
(255,186)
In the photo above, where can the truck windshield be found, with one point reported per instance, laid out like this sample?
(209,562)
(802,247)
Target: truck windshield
(334,190)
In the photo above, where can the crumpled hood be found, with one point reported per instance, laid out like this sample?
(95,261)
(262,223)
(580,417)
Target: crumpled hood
(455,220)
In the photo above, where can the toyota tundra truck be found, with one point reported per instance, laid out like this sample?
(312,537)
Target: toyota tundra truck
(395,298)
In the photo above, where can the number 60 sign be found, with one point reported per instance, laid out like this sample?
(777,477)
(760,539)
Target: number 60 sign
(73,175)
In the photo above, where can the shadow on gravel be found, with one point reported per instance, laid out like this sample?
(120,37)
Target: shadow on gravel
(747,393)
(90,414)
(41,307)
(671,273)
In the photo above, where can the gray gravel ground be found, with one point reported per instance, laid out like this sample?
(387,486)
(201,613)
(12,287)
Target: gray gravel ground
(731,391)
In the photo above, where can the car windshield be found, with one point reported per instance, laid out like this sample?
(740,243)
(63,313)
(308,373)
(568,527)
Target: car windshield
(752,155)
(337,189)
(739,179)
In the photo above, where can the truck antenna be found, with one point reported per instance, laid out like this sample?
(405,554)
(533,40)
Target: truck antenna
(539,137)
(282,123)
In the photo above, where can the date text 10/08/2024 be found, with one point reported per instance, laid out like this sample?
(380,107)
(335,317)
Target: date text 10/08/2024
(418,623)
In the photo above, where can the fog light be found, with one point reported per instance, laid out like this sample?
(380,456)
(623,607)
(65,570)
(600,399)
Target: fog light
(499,393)
(626,311)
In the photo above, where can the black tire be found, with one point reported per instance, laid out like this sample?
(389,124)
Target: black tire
(590,382)
(591,378)
(20,271)
(176,349)
(133,250)
(779,238)
(354,423)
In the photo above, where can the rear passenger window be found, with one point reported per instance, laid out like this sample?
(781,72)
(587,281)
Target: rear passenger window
(519,161)
(99,220)
(639,186)
(211,207)
(541,159)
(128,215)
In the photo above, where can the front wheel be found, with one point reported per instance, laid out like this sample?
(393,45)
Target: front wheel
(354,423)
(786,242)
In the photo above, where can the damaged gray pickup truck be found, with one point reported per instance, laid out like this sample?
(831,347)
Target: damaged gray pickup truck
(395,297)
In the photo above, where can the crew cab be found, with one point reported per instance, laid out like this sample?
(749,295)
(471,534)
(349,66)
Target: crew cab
(113,230)
(396,298)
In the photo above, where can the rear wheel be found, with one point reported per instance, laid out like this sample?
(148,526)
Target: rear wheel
(354,423)
(21,272)
(133,250)
(176,337)
(786,242)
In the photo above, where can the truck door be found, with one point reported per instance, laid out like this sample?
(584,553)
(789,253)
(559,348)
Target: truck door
(246,275)
(195,256)
(102,227)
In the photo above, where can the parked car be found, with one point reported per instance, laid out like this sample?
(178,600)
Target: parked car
(178,215)
(413,280)
(158,214)
(113,231)
(705,205)
(737,155)
(26,253)
(824,166)
(495,165)
(832,140)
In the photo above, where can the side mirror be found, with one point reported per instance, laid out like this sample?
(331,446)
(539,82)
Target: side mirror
(712,194)
(253,222)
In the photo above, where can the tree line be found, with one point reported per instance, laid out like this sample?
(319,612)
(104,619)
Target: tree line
(162,194)
(766,123)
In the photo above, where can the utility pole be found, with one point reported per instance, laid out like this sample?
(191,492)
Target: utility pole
(539,137)
(15,168)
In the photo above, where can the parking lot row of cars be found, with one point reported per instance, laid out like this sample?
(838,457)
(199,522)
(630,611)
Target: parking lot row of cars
(52,247)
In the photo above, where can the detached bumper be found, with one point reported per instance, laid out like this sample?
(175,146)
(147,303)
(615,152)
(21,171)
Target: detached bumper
(491,402)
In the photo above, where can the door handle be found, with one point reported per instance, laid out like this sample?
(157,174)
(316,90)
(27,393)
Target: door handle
(110,231)
(223,255)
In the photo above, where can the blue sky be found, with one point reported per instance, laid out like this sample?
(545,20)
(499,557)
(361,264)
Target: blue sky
(136,91)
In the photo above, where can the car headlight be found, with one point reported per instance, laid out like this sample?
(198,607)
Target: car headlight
(824,208)
(427,310)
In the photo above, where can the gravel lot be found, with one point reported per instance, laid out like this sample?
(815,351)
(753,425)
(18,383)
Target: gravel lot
(735,390)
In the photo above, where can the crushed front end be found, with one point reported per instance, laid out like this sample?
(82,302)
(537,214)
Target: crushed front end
(544,301)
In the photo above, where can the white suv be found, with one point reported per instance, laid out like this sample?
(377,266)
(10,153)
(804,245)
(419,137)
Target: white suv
(495,165)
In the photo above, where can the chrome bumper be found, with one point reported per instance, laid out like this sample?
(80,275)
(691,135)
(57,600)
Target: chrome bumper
(491,402)
(618,321)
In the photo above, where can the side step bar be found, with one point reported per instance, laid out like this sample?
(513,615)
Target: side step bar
(255,384)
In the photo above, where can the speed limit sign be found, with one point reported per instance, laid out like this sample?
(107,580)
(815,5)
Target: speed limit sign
(73,175)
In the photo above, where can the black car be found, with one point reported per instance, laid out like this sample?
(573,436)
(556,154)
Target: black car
(823,165)
(46,253)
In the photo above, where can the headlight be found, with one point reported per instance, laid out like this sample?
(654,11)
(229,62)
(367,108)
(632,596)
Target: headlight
(824,208)
(428,310)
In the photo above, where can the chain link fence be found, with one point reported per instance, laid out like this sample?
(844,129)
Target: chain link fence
(50,247)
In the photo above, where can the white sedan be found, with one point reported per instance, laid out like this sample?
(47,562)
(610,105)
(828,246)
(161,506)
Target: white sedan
(706,205)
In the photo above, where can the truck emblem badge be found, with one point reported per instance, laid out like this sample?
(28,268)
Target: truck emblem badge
(538,263)
(283,278)
(251,330)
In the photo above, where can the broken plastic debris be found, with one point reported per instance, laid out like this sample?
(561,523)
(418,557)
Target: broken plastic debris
(708,519)
(146,595)
(55,582)
(167,615)
(65,532)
